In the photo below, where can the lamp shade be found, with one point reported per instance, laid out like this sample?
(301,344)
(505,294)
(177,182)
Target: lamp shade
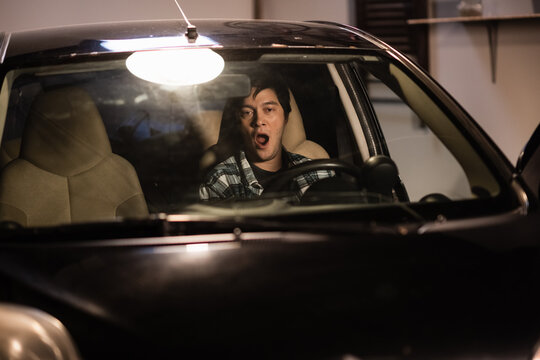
(176,67)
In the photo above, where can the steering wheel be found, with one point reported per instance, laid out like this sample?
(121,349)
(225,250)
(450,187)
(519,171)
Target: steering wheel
(280,181)
(378,174)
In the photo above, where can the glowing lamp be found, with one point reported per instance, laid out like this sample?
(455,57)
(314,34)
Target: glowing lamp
(176,67)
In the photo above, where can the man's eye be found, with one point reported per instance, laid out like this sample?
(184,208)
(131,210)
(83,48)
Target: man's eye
(268,109)
(246,113)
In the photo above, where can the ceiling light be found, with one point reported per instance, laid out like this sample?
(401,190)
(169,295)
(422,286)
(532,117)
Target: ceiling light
(176,67)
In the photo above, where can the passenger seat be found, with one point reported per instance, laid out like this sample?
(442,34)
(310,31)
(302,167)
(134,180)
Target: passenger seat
(66,171)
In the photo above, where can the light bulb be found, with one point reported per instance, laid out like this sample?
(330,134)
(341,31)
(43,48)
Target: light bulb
(176,67)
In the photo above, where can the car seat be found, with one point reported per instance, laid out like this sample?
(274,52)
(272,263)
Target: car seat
(294,136)
(66,171)
(9,151)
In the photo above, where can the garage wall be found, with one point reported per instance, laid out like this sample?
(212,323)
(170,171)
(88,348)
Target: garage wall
(509,109)
(31,14)
(336,10)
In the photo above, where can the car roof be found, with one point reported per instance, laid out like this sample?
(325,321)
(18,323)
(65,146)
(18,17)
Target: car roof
(229,34)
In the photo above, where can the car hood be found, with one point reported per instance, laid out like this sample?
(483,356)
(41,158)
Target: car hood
(284,294)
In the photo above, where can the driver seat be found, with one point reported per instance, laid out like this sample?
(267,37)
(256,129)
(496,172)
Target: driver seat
(66,171)
(294,136)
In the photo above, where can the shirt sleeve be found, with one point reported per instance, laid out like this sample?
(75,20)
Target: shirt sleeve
(220,180)
(218,187)
(207,193)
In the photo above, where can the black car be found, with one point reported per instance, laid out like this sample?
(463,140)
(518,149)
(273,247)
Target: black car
(392,227)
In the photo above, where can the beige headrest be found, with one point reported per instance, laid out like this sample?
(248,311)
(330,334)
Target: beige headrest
(207,123)
(294,133)
(9,151)
(64,133)
(294,136)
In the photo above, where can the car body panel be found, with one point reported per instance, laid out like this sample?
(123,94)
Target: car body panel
(290,294)
(89,39)
(528,166)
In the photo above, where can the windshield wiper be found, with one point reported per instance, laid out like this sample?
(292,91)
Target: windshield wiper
(398,218)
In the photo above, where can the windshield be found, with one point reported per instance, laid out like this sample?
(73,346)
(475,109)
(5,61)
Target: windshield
(274,134)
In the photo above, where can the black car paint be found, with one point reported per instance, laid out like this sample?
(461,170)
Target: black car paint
(286,294)
(528,166)
(87,39)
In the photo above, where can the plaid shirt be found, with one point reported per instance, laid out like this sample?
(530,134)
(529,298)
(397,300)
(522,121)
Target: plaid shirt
(226,180)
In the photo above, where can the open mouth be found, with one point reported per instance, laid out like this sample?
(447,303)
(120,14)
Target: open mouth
(262,139)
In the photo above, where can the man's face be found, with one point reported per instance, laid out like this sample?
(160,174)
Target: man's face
(262,124)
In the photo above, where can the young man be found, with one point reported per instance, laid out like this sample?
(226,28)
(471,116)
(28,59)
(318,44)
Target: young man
(258,122)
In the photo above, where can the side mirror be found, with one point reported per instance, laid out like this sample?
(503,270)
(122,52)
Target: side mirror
(380,174)
(29,333)
(528,164)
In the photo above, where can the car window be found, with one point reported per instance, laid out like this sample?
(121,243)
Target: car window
(425,164)
(165,140)
(434,156)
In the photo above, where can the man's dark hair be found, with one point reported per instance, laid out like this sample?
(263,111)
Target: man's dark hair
(272,80)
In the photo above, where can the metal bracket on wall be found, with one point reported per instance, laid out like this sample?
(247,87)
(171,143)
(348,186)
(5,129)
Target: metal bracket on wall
(493,29)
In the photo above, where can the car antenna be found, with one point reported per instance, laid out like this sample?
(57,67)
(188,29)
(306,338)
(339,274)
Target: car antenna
(191,32)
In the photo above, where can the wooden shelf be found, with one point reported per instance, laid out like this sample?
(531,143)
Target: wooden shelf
(491,23)
(471,19)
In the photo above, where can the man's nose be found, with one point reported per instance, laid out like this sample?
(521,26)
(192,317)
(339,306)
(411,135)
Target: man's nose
(257,120)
